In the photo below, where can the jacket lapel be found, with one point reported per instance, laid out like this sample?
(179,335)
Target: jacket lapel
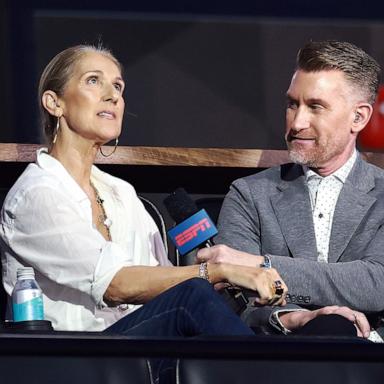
(292,208)
(351,207)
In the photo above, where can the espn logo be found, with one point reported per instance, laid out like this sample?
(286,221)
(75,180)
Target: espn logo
(192,232)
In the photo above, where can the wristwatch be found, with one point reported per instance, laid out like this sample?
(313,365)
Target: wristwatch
(267,262)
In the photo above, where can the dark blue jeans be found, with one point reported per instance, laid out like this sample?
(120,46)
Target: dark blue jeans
(190,308)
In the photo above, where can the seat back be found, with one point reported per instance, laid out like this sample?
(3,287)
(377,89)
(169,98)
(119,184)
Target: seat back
(3,294)
(283,370)
(157,217)
(3,299)
(212,205)
(82,368)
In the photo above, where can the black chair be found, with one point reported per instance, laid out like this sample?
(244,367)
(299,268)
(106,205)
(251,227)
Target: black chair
(212,205)
(157,217)
(76,358)
(3,300)
(278,370)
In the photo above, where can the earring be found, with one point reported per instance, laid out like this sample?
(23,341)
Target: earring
(56,130)
(113,151)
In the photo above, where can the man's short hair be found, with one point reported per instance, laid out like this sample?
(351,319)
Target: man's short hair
(360,69)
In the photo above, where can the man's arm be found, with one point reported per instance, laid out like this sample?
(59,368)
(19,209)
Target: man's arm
(357,283)
(238,223)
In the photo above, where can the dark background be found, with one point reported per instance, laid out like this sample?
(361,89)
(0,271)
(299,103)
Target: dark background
(198,73)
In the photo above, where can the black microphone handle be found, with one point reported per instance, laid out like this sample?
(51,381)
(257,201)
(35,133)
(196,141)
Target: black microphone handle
(209,243)
(180,206)
(190,257)
(236,297)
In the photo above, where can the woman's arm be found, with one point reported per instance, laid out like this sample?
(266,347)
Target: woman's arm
(52,234)
(138,284)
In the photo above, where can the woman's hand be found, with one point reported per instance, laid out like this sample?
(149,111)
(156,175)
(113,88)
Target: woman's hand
(243,269)
(297,319)
(266,283)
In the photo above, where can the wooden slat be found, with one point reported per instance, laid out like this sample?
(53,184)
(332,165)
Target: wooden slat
(165,156)
(176,156)
(18,152)
(200,157)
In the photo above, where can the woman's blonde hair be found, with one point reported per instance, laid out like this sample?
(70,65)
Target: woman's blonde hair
(56,76)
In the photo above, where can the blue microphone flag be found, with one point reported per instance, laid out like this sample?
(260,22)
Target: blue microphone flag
(192,232)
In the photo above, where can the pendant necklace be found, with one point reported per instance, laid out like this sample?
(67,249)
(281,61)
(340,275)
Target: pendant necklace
(102,218)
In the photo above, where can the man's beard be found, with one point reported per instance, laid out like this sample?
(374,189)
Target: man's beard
(312,158)
(322,152)
(302,158)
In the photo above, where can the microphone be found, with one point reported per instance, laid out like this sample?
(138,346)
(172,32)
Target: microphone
(195,229)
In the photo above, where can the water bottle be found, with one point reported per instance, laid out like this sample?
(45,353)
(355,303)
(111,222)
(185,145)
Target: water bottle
(27,299)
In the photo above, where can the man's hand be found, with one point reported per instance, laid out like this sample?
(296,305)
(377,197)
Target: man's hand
(224,254)
(297,319)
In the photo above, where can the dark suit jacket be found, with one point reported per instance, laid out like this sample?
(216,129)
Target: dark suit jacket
(270,212)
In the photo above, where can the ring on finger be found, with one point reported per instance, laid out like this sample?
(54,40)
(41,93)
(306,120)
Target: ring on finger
(277,288)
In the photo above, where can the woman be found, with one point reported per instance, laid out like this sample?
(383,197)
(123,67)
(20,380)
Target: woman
(94,248)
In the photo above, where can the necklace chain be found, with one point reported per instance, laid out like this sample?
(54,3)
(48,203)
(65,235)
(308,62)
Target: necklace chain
(102,218)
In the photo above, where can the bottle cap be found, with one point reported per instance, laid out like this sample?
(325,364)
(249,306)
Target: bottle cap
(25,273)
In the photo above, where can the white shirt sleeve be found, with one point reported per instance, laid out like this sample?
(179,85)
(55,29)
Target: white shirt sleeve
(55,235)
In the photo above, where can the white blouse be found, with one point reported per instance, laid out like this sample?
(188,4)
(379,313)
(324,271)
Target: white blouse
(46,223)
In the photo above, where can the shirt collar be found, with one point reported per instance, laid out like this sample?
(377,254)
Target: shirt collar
(341,173)
(47,162)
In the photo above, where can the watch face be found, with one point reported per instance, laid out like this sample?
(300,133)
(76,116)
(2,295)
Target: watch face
(266,263)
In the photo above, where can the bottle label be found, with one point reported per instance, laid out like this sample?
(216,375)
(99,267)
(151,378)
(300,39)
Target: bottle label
(29,310)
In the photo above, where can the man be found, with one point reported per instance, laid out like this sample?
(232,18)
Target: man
(318,221)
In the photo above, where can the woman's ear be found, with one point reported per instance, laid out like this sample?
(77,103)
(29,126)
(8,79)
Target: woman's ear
(51,104)
(362,114)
